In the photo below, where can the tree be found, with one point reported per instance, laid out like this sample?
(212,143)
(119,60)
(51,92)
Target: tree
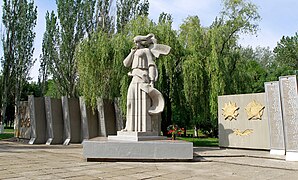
(130,9)
(63,33)
(210,61)
(19,19)
(49,57)
(287,52)
(94,66)
(170,81)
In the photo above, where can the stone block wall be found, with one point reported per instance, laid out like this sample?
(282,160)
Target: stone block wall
(243,121)
(68,120)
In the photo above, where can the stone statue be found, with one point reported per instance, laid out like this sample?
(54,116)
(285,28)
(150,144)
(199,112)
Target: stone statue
(144,102)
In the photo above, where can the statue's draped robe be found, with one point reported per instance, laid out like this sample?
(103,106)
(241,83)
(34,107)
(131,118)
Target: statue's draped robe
(138,101)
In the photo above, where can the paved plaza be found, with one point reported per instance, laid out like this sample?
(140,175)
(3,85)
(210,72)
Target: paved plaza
(22,161)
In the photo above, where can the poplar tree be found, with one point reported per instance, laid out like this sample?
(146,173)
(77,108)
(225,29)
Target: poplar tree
(64,31)
(19,19)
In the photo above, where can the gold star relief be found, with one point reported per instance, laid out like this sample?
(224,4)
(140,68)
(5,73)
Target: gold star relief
(230,111)
(254,110)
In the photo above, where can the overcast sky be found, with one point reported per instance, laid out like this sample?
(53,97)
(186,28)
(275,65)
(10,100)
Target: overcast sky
(279,18)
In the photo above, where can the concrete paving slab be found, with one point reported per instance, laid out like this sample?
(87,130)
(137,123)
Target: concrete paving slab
(20,161)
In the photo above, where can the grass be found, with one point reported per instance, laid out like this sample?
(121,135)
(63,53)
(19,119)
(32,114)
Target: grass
(200,141)
(8,133)
(8,130)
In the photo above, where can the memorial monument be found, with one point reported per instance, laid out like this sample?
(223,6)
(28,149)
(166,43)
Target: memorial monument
(289,101)
(275,120)
(140,139)
(144,102)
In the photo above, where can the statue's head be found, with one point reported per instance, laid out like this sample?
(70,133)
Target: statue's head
(145,41)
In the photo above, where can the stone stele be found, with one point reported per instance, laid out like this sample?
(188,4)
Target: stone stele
(140,139)
(289,101)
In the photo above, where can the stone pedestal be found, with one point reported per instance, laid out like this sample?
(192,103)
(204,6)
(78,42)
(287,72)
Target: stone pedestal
(136,136)
(289,97)
(153,150)
(276,129)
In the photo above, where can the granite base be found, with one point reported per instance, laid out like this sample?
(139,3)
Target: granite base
(105,150)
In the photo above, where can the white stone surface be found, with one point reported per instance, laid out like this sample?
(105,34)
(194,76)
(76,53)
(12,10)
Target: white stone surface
(144,102)
(136,136)
(141,150)
(291,156)
(277,152)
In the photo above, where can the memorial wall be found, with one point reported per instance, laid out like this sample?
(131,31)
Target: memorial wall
(243,121)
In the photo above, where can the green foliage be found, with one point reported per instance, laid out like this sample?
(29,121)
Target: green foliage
(95,67)
(51,90)
(210,61)
(128,10)
(62,35)
(287,52)
(19,20)
(50,57)
(103,19)
(31,88)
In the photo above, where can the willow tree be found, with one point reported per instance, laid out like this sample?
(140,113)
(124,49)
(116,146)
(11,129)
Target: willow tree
(19,20)
(195,39)
(210,64)
(170,81)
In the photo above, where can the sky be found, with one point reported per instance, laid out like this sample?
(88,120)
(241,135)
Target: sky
(278,18)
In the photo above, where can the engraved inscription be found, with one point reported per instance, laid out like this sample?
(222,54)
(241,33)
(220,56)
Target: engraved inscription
(290,111)
(273,107)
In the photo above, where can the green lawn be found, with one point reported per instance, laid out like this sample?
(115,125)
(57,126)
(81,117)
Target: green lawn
(200,141)
(8,130)
(8,133)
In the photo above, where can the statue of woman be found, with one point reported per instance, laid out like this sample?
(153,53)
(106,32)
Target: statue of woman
(143,100)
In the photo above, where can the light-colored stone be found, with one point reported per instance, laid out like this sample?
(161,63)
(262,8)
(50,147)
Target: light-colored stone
(275,121)
(143,100)
(289,98)
(243,121)
(136,136)
(277,152)
(143,150)
(291,156)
